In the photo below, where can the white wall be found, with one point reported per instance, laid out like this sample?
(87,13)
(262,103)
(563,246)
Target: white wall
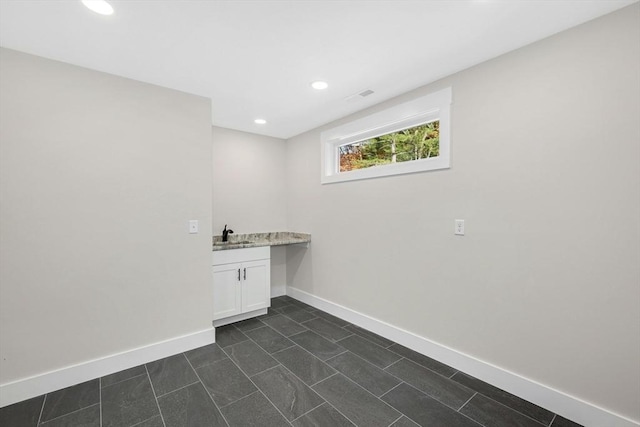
(546,173)
(99,176)
(249,190)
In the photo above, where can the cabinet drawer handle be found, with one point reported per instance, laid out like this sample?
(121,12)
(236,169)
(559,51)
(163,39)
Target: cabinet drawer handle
(245,274)
(238,275)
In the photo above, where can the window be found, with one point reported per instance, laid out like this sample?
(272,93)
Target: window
(407,138)
(418,142)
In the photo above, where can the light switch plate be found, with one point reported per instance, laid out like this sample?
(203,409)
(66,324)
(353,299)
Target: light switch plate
(193,226)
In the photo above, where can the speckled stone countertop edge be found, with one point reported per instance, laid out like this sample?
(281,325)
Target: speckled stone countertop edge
(253,240)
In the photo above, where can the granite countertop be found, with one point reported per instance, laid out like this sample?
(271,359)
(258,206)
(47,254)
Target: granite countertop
(252,240)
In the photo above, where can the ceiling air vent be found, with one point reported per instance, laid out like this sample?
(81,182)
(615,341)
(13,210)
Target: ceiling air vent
(359,95)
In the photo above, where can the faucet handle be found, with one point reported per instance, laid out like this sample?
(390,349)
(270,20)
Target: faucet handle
(225,233)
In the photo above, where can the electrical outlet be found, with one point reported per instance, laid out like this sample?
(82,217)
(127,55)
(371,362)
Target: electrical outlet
(193,226)
(459,230)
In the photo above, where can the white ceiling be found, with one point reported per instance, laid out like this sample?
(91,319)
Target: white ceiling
(257,58)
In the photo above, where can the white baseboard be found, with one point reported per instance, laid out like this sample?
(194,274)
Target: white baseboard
(47,382)
(570,407)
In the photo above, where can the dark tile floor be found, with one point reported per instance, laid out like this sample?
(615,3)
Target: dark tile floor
(295,366)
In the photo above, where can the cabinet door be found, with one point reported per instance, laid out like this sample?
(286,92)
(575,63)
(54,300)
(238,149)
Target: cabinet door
(227,290)
(256,285)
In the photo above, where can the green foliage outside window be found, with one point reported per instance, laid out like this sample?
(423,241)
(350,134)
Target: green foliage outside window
(420,142)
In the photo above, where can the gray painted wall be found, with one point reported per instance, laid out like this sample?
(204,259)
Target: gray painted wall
(99,176)
(249,190)
(545,171)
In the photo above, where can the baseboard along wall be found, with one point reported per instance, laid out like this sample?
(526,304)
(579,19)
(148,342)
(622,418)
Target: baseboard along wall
(570,407)
(47,382)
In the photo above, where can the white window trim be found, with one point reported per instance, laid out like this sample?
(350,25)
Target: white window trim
(435,106)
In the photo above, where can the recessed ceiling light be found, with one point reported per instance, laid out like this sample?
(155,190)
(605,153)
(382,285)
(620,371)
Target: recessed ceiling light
(319,85)
(260,121)
(99,6)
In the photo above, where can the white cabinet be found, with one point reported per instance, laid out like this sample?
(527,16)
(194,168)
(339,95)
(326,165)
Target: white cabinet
(241,284)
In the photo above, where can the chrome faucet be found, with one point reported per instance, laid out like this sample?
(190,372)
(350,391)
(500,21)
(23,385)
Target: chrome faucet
(225,233)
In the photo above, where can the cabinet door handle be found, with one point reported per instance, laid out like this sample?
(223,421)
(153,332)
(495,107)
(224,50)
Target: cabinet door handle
(238,275)
(245,274)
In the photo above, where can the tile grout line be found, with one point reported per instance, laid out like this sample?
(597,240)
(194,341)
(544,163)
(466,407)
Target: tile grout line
(472,420)
(329,403)
(332,324)
(337,373)
(178,389)
(398,419)
(420,364)
(436,400)
(292,335)
(121,381)
(391,389)
(402,381)
(297,333)
(503,404)
(262,325)
(368,392)
(468,400)
(377,345)
(238,400)
(348,336)
(553,419)
(265,370)
(367,338)
(100,390)
(209,363)
(429,395)
(310,410)
(235,343)
(467,416)
(154,395)
(430,370)
(306,385)
(425,367)
(391,364)
(42,408)
(265,350)
(324,379)
(205,388)
(144,421)
(384,370)
(67,414)
(271,354)
(358,385)
(397,361)
(314,356)
(513,409)
(256,386)
(332,321)
(344,415)
(333,357)
(299,309)
(370,363)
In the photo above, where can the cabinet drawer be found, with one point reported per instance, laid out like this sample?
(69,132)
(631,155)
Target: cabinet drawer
(241,255)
